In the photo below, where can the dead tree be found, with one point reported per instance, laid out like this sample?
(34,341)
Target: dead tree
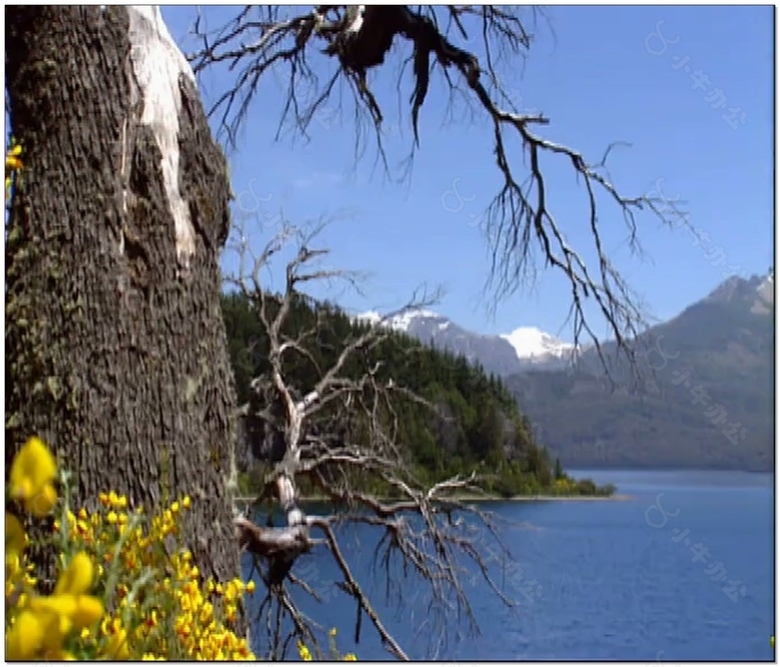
(421,528)
(116,350)
(519,224)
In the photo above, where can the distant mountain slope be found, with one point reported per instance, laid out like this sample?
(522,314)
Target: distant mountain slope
(724,343)
(523,349)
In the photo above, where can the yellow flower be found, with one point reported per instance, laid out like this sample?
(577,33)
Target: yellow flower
(12,161)
(116,501)
(25,638)
(58,655)
(42,503)
(351,657)
(63,606)
(117,646)
(13,568)
(60,614)
(32,472)
(332,632)
(69,607)
(77,579)
(15,537)
(89,610)
(303,651)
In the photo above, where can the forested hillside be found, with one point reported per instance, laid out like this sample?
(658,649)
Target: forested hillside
(471,421)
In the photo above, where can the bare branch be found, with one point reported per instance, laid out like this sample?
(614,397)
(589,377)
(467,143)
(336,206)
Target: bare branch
(340,429)
(519,223)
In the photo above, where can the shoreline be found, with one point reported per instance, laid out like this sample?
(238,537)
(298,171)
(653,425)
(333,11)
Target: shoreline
(619,497)
(526,499)
(614,496)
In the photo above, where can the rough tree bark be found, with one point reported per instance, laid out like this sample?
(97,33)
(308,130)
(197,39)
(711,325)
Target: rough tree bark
(116,349)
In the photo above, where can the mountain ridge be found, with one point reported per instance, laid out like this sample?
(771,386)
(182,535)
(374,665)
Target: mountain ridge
(524,348)
(534,348)
(710,403)
(723,342)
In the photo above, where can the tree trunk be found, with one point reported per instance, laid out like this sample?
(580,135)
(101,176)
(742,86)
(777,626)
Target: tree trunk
(116,348)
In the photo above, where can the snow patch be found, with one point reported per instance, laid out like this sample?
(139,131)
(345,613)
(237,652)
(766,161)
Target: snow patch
(529,343)
(402,321)
(370,317)
(158,64)
(532,343)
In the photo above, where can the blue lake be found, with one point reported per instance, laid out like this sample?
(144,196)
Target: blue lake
(593,580)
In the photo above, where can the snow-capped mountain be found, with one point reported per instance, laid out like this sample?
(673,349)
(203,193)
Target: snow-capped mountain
(536,346)
(403,321)
(525,348)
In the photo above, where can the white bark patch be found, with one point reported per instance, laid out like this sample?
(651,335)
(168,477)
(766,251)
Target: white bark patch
(158,63)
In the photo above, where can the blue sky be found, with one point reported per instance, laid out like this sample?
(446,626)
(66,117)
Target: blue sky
(599,78)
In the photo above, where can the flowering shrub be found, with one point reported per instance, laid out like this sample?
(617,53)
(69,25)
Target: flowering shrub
(127,587)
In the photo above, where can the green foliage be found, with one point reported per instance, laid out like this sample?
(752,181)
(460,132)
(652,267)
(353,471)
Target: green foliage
(476,425)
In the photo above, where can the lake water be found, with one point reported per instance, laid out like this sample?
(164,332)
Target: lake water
(594,580)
